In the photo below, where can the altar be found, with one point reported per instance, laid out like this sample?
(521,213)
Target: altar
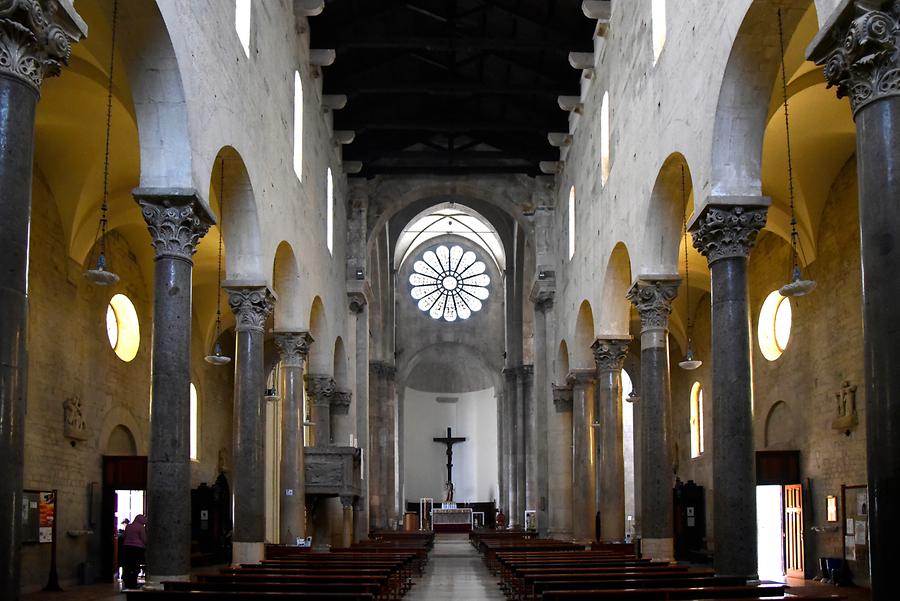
(452,520)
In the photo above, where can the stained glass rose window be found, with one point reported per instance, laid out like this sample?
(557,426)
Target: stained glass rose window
(449,283)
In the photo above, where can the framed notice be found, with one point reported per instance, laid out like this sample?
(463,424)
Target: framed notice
(38,515)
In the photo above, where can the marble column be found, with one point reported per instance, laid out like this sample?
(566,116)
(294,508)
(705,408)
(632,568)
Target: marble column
(609,355)
(509,399)
(652,296)
(358,307)
(319,391)
(40,43)
(294,348)
(560,464)
(859,49)
(583,472)
(251,303)
(177,220)
(724,232)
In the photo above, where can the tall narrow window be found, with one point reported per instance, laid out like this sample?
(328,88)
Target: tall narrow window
(658,19)
(571,223)
(604,139)
(329,211)
(194,424)
(696,420)
(298,126)
(242,24)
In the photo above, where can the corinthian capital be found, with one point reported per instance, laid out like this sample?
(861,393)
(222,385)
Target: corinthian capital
(728,230)
(340,401)
(859,50)
(176,219)
(293,347)
(320,389)
(251,305)
(652,296)
(36,38)
(610,352)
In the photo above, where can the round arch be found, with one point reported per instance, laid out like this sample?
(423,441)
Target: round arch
(288,287)
(615,310)
(581,356)
(321,358)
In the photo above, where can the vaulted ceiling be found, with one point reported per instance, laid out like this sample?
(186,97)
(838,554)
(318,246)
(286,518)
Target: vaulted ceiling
(452,86)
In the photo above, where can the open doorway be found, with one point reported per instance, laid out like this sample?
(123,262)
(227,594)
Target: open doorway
(124,486)
(779,515)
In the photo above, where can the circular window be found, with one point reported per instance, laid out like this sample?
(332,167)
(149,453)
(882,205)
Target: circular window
(122,327)
(774,328)
(449,283)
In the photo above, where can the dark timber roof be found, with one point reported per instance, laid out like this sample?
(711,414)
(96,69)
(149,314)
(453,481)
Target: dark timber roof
(451,86)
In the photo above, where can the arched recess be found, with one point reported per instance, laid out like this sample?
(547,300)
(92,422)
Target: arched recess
(320,358)
(287,284)
(239,217)
(580,356)
(451,367)
(121,442)
(121,417)
(562,363)
(780,427)
(743,104)
(667,215)
(615,310)
(339,364)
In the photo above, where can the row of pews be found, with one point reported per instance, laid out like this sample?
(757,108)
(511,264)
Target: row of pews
(383,568)
(531,569)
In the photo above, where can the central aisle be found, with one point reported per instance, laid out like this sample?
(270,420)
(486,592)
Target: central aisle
(455,572)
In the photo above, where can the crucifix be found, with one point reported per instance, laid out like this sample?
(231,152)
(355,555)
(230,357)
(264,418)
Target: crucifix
(449,441)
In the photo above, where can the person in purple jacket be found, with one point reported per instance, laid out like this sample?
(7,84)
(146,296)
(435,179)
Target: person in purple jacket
(133,547)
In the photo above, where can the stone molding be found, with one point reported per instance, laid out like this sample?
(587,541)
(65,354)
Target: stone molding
(36,39)
(293,347)
(382,369)
(653,297)
(177,221)
(562,398)
(610,353)
(582,377)
(340,401)
(357,301)
(727,231)
(860,52)
(320,389)
(251,306)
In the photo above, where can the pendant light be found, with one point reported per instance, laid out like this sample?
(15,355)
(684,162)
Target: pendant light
(797,286)
(100,275)
(217,358)
(688,363)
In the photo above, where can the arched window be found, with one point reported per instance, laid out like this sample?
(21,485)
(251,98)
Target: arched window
(696,420)
(122,327)
(571,222)
(604,139)
(298,126)
(329,211)
(774,328)
(658,19)
(195,433)
(242,17)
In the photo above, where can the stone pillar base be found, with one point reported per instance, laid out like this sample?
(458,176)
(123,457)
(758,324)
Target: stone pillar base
(658,549)
(247,553)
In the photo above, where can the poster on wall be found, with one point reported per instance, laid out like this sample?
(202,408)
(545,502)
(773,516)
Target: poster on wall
(46,515)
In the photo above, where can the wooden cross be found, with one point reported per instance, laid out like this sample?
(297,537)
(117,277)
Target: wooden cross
(449,441)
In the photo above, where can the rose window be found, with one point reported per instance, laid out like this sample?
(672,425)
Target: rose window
(449,283)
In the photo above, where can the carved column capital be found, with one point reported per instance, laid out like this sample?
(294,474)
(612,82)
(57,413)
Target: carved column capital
(652,296)
(36,38)
(357,301)
(860,52)
(320,389)
(582,377)
(251,305)
(727,231)
(610,353)
(562,398)
(177,220)
(293,347)
(340,401)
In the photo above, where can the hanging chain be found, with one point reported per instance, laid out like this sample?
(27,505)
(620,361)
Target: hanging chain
(104,207)
(219,268)
(687,277)
(787,132)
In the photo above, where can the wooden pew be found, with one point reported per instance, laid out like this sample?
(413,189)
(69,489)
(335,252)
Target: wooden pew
(164,595)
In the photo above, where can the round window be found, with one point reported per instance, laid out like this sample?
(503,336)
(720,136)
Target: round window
(449,283)
(774,329)
(122,327)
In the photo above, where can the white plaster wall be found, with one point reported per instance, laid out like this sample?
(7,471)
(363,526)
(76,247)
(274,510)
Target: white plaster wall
(474,417)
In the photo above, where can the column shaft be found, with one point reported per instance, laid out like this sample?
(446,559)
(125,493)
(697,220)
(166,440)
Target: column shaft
(560,464)
(583,453)
(363,514)
(509,394)
(535,434)
(523,384)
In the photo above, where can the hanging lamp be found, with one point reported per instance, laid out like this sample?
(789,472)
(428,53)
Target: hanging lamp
(217,358)
(797,286)
(100,275)
(688,363)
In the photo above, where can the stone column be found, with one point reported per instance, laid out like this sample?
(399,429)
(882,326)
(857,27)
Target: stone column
(509,440)
(583,472)
(560,460)
(340,416)
(319,390)
(524,386)
(609,354)
(358,304)
(294,348)
(347,521)
(251,303)
(652,296)
(503,498)
(177,221)
(34,44)
(382,443)
(536,490)
(725,234)
(859,49)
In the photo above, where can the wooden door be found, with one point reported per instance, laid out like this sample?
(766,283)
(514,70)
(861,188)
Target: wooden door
(793,530)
